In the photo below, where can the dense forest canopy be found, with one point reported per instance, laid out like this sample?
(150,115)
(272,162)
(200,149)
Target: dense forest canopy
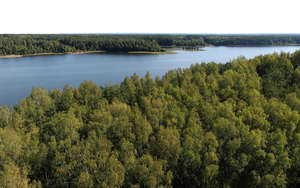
(23,44)
(210,125)
(34,44)
(252,40)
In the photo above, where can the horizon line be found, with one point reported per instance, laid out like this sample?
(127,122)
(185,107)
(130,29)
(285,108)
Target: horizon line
(132,33)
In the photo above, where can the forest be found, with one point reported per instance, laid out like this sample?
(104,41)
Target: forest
(35,44)
(252,40)
(210,125)
(28,44)
(192,40)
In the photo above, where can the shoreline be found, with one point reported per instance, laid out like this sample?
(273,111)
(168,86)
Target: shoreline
(151,53)
(83,52)
(50,53)
(181,49)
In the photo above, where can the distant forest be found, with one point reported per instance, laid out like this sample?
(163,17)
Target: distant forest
(33,44)
(211,125)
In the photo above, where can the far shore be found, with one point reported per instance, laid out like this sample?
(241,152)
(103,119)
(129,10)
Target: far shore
(45,54)
(83,52)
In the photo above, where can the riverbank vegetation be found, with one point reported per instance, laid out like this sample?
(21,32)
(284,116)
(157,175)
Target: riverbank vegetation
(38,44)
(210,125)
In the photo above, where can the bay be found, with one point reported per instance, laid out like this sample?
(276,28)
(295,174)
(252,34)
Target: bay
(19,75)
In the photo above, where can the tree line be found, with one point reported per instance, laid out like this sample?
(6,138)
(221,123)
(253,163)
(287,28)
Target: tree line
(34,44)
(210,125)
(252,40)
(23,44)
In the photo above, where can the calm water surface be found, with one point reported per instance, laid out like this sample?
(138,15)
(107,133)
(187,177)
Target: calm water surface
(19,75)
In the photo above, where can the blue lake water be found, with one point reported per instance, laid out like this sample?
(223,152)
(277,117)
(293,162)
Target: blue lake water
(19,75)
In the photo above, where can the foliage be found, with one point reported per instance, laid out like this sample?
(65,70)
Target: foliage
(34,44)
(210,125)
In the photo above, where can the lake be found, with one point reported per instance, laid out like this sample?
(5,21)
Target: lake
(19,75)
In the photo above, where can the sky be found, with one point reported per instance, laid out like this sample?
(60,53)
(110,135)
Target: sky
(150,16)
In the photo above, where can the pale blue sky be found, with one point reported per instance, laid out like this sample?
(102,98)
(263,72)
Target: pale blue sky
(151,16)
